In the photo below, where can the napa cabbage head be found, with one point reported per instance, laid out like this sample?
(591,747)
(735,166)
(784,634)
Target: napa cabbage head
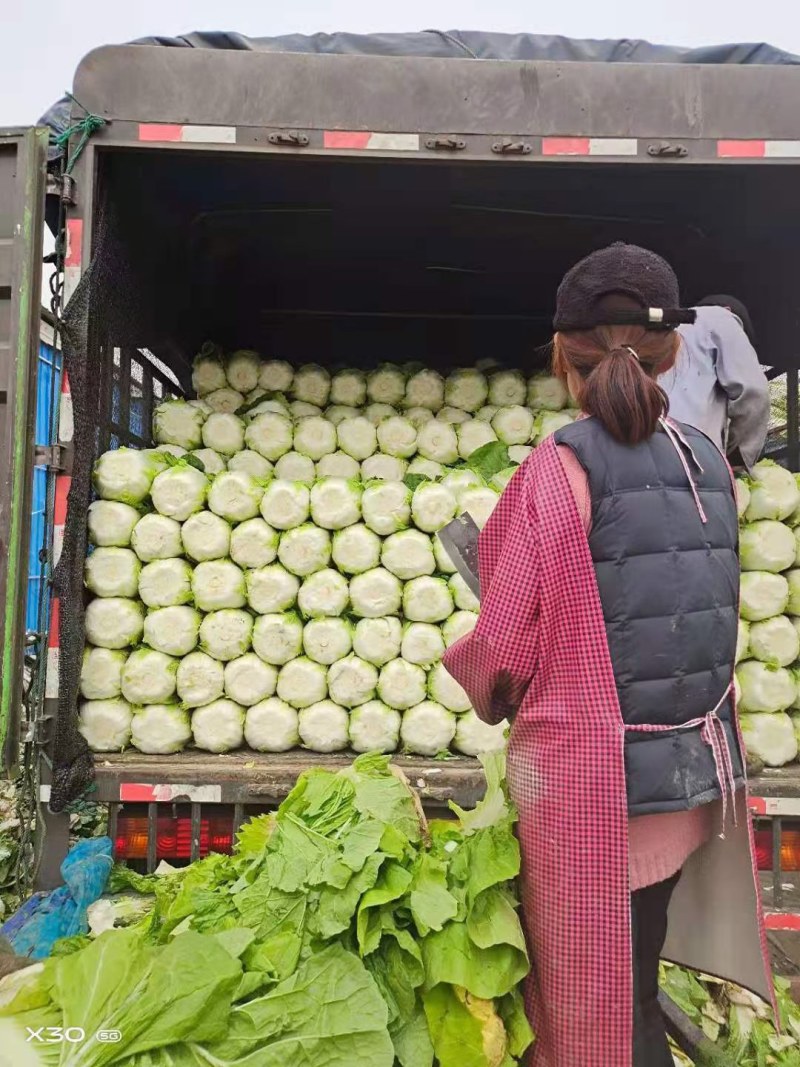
(764,688)
(386,507)
(125,475)
(386,385)
(324,727)
(272,726)
(159,729)
(767,545)
(106,724)
(466,389)
(175,422)
(111,523)
(315,437)
(312,385)
(114,622)
(180,491)
(223,434)
(774,493)
(219,726)
(242,369)
(101,673)
(349,388)
(156,537)
(208,373)
(424,389)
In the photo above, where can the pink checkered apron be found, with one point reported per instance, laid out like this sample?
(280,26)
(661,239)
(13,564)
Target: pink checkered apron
(540,646)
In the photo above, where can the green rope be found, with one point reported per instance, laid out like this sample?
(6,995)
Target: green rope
(85,126)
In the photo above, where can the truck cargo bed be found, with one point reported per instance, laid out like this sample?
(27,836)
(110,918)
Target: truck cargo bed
(247,777)
(777,782)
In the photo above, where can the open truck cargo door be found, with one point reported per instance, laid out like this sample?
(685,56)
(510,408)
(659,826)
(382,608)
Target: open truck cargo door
(23,155)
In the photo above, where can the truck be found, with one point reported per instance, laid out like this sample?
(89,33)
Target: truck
(340,206)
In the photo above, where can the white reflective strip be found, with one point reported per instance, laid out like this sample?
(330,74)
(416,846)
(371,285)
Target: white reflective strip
(613,146)
(789,806)
(58,543)
(782,149)
(66,421)
(72,275)
(197,794)
(51,680)
(393,142)
(146,792)
(44,794)
(209,134)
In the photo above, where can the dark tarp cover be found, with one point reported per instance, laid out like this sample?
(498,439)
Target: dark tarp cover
(462,44)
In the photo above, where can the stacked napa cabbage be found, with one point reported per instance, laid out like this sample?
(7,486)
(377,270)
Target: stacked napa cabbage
(270,575)
(768,652)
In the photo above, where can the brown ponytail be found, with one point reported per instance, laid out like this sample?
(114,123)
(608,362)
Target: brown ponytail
(614,369)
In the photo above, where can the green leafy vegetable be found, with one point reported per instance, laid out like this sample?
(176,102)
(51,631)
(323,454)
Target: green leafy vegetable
(489,459)
(343,931)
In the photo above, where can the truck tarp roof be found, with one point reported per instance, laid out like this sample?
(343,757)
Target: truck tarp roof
(462,44)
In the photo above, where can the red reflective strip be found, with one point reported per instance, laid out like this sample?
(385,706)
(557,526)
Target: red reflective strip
(135,792)
(741,149)
(780,920)
(63,482)
(74,241)
(55,623)
(565,146)
(65,383)
(345,139)
(758,806)
(159,131)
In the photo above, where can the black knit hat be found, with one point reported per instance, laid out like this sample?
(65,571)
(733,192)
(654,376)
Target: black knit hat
(622,285)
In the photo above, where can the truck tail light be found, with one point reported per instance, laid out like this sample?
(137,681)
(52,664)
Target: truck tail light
(790,850)
(173,835)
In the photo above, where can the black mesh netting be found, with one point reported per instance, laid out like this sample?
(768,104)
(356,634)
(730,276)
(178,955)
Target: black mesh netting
(106,309)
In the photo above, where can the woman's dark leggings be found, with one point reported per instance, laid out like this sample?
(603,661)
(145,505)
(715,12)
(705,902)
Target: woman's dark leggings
(649,930)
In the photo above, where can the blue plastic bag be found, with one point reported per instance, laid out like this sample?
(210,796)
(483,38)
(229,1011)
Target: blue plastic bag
(41,921)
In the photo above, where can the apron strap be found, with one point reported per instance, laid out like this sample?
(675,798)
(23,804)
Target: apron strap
(712,731)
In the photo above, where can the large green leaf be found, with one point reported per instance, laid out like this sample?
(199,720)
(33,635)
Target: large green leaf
(512,1011)
(411,1039)
(153,995)
(391,885)
(328,1013)
(489,459)
(461,1038)
(452,957)
(336,907)
(493,807)
(430,901)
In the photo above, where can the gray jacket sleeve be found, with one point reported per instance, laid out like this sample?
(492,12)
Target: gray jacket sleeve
(741,377)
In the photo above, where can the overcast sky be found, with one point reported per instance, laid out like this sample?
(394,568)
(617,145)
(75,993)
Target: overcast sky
(42,42)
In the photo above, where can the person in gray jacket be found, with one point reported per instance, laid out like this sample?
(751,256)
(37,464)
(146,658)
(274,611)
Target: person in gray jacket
(717,384)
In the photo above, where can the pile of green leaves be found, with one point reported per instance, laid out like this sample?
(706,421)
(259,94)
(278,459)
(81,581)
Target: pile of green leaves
(739,1024)
(343,931)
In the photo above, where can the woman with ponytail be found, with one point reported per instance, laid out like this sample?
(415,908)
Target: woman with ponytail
(607,636)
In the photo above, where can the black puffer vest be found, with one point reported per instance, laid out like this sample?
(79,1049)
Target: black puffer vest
(669,587)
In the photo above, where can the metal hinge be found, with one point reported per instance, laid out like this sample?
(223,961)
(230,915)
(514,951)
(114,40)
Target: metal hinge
(289,139)
(54,457)
(62,186)
(666,150)
(445,144)
(38,732)
(508,147)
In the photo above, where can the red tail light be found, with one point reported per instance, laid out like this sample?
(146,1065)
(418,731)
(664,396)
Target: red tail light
(173,836)
(790,850)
